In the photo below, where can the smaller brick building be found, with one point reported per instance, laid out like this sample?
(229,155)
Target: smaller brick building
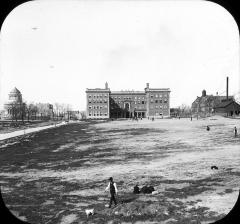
(205,104)
(227,108)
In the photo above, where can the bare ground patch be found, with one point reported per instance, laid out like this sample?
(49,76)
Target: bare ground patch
(52,176)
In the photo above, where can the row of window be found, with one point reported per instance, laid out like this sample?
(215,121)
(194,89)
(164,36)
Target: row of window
(139,107)
(129,98)
(98,101)
(135,102)
(98,96)
(159,95)
(161,107)
(97,114)
(97,107)
(136,107)
(158,101)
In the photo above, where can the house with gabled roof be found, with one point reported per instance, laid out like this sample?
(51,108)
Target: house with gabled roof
(205,104)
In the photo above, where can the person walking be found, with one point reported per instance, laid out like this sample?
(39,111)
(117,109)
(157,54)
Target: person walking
(235,131)
(113,191)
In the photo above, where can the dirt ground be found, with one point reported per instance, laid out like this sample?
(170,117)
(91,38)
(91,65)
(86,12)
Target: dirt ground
(53,175)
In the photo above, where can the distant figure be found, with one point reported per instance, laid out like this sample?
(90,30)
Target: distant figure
(148,118)
(191,118)
(179,117)
(214,167)
(147,189)
(208,128)
(235,131)
(136,189)
(113,191)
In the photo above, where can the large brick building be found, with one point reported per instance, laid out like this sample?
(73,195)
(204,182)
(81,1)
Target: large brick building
(103,103)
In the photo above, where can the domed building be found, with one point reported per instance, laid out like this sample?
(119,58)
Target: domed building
(15,106)
(15,96)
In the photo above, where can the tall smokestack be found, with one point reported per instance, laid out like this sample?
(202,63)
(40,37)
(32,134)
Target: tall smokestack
(227,88)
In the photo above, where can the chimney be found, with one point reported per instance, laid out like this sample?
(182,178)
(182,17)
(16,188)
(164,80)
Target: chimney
(227,88)
(106,85)
(147,86)
(204,93)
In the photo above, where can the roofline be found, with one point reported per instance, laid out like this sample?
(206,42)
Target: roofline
(219,105)
(97,90)
(127,92)
(157,90)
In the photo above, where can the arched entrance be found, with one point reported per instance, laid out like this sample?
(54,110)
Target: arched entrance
(127,109)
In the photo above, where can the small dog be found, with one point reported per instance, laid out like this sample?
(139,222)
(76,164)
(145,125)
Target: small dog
(214,167)
(89,212)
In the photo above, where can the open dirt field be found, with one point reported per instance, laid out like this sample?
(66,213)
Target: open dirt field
(53,175)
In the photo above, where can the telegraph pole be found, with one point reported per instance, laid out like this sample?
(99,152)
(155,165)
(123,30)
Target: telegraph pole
(227,88)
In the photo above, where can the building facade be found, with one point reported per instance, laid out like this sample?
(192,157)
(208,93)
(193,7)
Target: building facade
(205,104)
(152,102)
(15,106)
(227,108)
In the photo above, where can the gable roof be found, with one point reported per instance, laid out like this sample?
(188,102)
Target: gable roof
(226,103)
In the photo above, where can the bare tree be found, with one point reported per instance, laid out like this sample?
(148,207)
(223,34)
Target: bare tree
(62,110)
(44,111)
(83,115)
(69,110)
(184,110)
(31,109)
(56,109)
(14,110)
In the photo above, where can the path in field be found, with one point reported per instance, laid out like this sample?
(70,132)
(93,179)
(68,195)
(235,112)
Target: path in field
(53,175)
(4,136)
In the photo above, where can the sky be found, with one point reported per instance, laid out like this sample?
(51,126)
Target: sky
(53,50)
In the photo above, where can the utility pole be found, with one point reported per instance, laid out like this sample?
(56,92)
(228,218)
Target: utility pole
(227,88)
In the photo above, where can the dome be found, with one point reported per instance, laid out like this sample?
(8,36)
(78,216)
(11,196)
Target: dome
(15,96)
(15,91)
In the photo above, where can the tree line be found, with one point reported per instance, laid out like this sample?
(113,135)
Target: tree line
(40,111)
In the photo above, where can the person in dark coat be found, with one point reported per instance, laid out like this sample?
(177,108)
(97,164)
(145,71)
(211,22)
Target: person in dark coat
(113,191)
(208,128)
(136,189)
(235,131)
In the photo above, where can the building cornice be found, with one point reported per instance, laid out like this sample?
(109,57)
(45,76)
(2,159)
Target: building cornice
(127,92)
(98,90)
(158,90)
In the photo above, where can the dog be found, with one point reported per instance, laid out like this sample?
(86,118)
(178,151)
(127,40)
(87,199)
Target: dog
(214,167)
(89,212)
